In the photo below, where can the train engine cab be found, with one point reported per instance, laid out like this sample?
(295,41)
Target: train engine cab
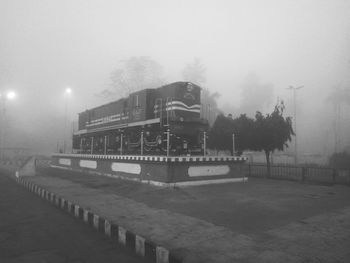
(178,105)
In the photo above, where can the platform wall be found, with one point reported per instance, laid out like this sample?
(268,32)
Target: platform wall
(154,168)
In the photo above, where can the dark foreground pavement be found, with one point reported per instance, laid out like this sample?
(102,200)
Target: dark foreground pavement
(32,230)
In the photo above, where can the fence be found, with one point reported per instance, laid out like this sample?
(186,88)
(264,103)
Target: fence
(14,153)
(324,175)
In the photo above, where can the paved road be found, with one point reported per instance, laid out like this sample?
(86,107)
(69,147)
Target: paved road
(32,230)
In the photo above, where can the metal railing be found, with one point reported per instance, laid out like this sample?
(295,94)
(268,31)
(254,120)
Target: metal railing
(325,175)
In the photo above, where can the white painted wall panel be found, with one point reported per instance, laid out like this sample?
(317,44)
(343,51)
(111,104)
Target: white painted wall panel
(208,170)
(88,164)
(64,161)
(131,168)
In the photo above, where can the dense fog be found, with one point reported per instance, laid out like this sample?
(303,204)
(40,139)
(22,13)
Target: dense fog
(248,52)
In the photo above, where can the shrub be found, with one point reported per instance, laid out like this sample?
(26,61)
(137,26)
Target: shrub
(340,160)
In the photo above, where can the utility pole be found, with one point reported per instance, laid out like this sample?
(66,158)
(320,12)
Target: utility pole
(204,143)
(233,144)
(336,127)
(67,94)
(294,89)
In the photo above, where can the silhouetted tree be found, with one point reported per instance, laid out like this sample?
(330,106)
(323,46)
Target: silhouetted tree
(266,133)
(271,132)
(340,160)
(220,134)
(243,129)
(133,74)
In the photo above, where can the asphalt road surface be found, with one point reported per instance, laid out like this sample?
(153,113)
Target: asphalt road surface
(32,230)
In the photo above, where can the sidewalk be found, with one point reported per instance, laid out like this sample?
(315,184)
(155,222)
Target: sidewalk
(192,239)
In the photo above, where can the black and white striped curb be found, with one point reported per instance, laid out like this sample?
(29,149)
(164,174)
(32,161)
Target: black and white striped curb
(136,243)
(155,158)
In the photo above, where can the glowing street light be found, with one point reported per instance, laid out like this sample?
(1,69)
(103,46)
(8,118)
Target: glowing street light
(10,95)
(68,91)
(7,96)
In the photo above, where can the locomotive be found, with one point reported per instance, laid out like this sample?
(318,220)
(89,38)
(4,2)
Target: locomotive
(160,121)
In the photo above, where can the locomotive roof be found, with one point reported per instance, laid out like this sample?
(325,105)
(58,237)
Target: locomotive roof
(125,98)
(103,105)
(176,84)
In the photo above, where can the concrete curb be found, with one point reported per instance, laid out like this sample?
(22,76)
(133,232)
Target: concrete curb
(136,243)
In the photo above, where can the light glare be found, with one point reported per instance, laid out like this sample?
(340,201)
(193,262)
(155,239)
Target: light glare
(11,95)
(68,91)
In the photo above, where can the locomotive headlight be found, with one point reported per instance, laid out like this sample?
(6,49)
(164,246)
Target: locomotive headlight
(181,119)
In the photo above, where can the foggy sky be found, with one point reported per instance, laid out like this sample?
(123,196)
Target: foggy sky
(48,45)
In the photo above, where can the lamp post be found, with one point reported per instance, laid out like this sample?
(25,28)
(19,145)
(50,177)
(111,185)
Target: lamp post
(7,96)
(67,94)
(233,145)
(204,143)
(294,89)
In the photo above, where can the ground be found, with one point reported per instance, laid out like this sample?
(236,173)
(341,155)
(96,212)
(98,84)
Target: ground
(264,220)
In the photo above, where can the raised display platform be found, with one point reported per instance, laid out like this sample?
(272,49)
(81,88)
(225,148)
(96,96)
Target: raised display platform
(157,170)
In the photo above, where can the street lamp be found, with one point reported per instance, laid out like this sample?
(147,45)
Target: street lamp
(7,96)
(294,89)
(68,91)
(67,94)
(10,95)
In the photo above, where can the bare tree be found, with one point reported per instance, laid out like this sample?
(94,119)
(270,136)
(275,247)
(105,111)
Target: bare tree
(210,108)
(256,96)
(133,74)
(339,97)
(195,72)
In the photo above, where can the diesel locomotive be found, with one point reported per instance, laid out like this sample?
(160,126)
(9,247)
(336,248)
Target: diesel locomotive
(160,121)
